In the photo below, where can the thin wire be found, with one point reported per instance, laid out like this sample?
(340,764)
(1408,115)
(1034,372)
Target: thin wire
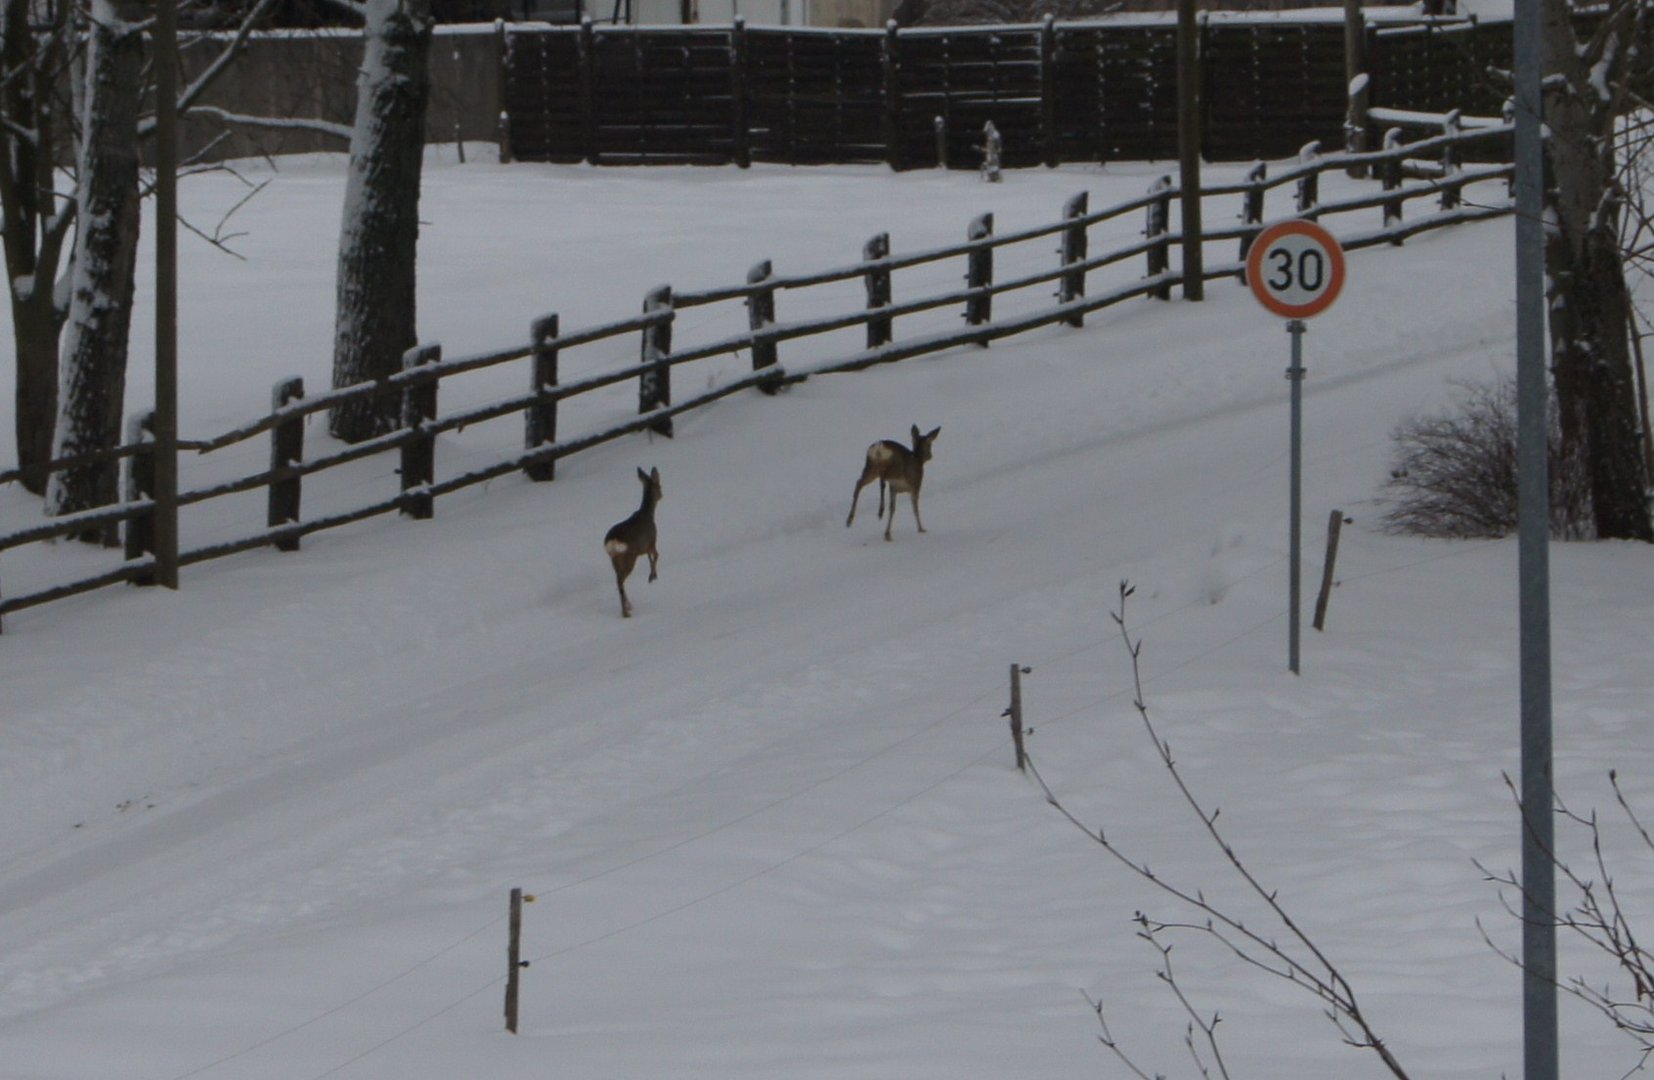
(448,1008)
(722,890)
(572,884)
(1097,643)
(789,860)
(715,830)
(1422,562)
(1224,644)
(343,1005)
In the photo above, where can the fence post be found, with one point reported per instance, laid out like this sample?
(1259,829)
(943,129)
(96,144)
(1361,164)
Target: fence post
(140,484)
(741,138)
(890,67)
(286,451)
(419,454)
(879,330)
(761,314)
(1190,95)
(1335,524)
(502,72)
(1358,82)
(1159,225)
(1048,90)
(1451,191)
(587,75)
(1309,185)
(1390,173)
(514,957)
(654,386)
(540,419)
(1252,208)
(979,273)
(1072,286)
(940,127)
(1015,713)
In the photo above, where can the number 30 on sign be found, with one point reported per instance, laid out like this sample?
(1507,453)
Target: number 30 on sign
(1295,269)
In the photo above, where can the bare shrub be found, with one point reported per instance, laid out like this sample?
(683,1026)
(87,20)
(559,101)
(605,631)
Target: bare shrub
(1454,474)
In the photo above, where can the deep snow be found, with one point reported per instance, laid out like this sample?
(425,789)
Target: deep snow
(266,826)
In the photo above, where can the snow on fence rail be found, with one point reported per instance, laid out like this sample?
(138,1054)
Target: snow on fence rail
(1399,181)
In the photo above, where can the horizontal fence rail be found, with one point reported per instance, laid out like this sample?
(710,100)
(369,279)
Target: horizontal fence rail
(1404,177)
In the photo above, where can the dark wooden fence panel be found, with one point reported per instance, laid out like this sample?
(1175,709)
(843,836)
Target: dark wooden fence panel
(1060,92)
(662,95)
(1116,93)
(1437,68)
(969,78)
(542,98)
(815,98)
(1271,88)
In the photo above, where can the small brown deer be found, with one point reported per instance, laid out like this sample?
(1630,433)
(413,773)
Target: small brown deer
(635,536)
(899,468)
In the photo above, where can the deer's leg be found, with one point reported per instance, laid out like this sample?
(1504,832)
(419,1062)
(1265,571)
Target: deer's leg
(854,496)
(623,567)
(654,558)
(914,495)
(881,499)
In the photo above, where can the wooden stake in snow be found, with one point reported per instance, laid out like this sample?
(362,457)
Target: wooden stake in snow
(1015,713)
(514,960)
(1335,523)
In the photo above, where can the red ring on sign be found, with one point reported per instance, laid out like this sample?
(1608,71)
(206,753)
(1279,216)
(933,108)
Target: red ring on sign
(1322,239)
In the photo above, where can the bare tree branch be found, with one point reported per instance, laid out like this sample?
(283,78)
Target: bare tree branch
(273,123)
(1596,916)
(1299,961)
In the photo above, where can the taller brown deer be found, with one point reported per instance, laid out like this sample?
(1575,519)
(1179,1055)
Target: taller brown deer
(635,536)
(900,469)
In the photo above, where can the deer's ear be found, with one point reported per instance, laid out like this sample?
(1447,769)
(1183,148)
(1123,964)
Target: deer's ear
(915,432)
(641,475)
(932,435)
(654,474)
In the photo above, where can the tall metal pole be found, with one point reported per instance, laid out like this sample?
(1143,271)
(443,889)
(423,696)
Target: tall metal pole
(1295,374)
(166,294)
(1539,1012)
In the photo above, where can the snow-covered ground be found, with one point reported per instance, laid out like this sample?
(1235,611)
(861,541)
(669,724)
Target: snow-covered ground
(265,827)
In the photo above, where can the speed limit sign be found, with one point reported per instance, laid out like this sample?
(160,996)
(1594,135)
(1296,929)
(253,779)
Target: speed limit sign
(1295,269)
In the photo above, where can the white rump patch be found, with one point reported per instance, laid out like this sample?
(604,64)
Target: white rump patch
(615,547)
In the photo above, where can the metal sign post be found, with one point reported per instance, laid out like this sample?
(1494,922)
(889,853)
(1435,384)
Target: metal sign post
(1296,269)
(1295,374)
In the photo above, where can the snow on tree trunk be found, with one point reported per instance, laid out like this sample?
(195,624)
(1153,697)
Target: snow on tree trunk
(92,370)
(1588,302)
(375,321)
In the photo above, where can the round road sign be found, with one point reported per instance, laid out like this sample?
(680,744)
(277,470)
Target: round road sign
(1295,269)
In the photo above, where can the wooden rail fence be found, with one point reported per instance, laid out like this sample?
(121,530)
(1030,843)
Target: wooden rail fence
(1430,169)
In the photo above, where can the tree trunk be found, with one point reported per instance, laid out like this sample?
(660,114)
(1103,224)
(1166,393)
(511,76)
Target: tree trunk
(1596,385)
(375,322)
(92,383)
(36,223)
(1590,353)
